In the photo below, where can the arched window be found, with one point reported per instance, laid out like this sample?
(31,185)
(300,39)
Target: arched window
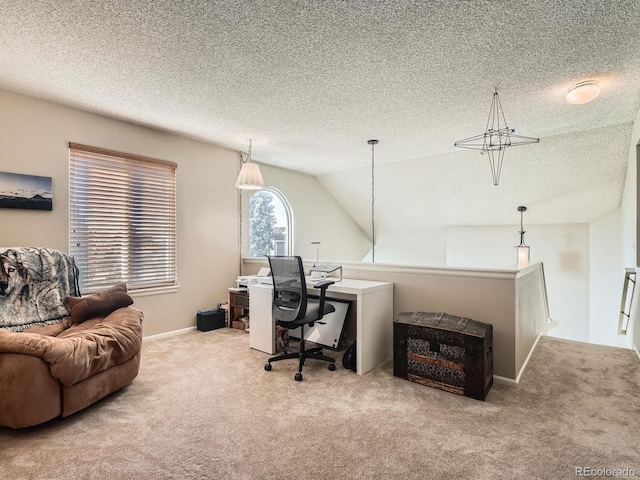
(270,224)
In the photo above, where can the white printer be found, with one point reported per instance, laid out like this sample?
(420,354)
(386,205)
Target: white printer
(245,280)
(263,276)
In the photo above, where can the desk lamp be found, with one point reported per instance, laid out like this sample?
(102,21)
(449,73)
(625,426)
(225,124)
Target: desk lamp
(317,244)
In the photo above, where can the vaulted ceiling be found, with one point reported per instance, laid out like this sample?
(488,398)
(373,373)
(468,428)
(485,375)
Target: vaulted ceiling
(311,81)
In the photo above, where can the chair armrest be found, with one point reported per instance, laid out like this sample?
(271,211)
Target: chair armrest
(324,284)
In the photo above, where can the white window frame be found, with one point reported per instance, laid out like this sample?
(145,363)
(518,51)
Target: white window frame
(287,208)
(122,220)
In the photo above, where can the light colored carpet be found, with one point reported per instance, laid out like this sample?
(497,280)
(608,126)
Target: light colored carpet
(203,407)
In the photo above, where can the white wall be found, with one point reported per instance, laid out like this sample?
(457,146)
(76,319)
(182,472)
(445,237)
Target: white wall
(34,137)
(411,246)
(486,247)
(564,250)
(607,278)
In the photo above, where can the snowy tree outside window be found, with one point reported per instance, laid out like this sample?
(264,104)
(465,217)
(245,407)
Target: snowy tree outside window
(269,224)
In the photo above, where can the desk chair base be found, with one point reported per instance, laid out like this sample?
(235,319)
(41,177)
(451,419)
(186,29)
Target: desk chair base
(303,355)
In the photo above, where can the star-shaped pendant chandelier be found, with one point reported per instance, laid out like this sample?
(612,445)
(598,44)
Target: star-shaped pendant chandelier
(495,140)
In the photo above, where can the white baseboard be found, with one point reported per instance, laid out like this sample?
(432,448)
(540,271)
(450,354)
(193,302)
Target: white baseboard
(635,349)
(505,381)
(173,333)
(526,360)
(511,382)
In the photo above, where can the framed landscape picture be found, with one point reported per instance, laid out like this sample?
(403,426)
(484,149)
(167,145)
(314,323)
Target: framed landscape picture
(26,191)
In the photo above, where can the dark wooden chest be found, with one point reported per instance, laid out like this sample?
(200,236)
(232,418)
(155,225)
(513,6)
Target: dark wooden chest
(444,351)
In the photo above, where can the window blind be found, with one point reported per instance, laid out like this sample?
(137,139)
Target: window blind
(122,219)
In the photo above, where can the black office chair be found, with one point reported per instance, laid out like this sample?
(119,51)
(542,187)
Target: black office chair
(292,308)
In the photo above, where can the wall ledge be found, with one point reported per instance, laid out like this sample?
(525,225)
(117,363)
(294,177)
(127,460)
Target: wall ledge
(508,273)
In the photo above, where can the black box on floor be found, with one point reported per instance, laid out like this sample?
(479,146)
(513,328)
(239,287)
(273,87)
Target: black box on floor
(210,320)
(451,353)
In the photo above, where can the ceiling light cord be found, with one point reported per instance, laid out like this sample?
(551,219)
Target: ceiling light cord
(373,201)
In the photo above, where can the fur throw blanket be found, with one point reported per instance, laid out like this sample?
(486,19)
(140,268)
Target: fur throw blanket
(34,286)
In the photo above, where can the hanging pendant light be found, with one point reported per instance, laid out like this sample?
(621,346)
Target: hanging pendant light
(373,143)
(496,138)
(523,250)
(250,177)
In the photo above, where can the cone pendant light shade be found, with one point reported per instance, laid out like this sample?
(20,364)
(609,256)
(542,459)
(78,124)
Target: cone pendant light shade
(250,177)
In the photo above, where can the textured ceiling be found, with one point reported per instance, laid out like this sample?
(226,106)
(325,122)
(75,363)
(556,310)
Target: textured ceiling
(312,81)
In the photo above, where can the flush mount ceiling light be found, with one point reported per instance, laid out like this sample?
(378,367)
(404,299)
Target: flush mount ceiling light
(250,177)
(496,138)
(583,92)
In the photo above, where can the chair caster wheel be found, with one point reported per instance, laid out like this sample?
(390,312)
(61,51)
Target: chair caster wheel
(332,366)
(298,377)
(267,367)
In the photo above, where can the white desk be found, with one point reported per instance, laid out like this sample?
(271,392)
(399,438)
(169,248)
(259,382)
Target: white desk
(374,319)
